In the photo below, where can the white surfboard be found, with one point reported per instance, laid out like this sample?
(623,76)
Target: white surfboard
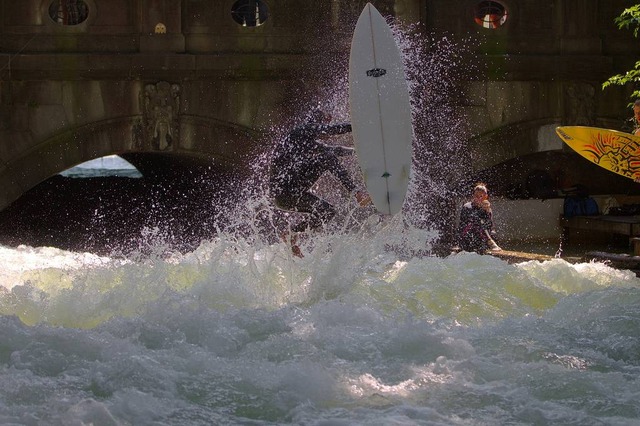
(380,111)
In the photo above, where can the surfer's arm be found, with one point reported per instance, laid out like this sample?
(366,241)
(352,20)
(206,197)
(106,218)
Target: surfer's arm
(341,151)
(335,129)
(341,173)
(335,150)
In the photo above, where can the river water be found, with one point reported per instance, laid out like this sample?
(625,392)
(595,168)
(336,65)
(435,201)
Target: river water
(356,332)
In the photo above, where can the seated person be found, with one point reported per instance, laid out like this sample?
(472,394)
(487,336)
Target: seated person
(476,223)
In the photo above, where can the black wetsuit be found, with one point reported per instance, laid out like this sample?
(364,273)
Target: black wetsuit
(476,224)
(298,162)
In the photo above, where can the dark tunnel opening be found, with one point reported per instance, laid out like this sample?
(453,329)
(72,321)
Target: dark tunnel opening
(179,201)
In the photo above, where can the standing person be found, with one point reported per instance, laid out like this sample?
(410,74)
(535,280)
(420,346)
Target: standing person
(299,161)
(476,223)
(636,117)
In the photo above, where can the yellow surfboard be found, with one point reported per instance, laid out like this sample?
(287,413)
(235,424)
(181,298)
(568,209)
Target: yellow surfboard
(615,151)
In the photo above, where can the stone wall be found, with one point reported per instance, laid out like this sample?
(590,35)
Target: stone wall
(541,68)
(69,93)
(544,67)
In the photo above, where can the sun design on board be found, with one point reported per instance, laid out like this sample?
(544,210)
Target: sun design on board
(616,152)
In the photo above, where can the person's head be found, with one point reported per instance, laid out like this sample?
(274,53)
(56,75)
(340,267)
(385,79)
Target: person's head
(636,110)
(480,193)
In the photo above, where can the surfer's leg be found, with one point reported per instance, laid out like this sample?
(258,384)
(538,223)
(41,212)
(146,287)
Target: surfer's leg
(305,203)
(288,235)
(320,212)
(291,238)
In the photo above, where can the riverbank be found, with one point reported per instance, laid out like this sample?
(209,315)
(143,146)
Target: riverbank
(616,257)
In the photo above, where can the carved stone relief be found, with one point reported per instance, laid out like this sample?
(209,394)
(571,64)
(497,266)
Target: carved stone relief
(160,117)
(580,104)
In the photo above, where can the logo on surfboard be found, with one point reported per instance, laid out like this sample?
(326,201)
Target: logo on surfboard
(563,135)
(376,72)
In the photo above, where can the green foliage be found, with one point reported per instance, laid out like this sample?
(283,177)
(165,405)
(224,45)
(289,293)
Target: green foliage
(631,76)
(629,19)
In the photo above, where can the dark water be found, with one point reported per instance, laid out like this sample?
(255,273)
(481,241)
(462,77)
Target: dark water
(107,213)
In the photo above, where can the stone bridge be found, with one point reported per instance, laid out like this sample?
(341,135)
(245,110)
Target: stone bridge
(181,84)
(163,83)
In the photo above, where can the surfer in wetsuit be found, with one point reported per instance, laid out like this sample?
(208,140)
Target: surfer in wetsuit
(299,161)
(476,223)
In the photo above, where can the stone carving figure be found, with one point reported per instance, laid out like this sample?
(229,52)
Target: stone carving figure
(581,104)
(160,109)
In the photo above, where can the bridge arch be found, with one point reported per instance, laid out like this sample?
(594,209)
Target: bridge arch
(513,140)
(528,160)
(204,143)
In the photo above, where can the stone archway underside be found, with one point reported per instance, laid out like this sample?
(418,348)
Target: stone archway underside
(181,199)
(204,143)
